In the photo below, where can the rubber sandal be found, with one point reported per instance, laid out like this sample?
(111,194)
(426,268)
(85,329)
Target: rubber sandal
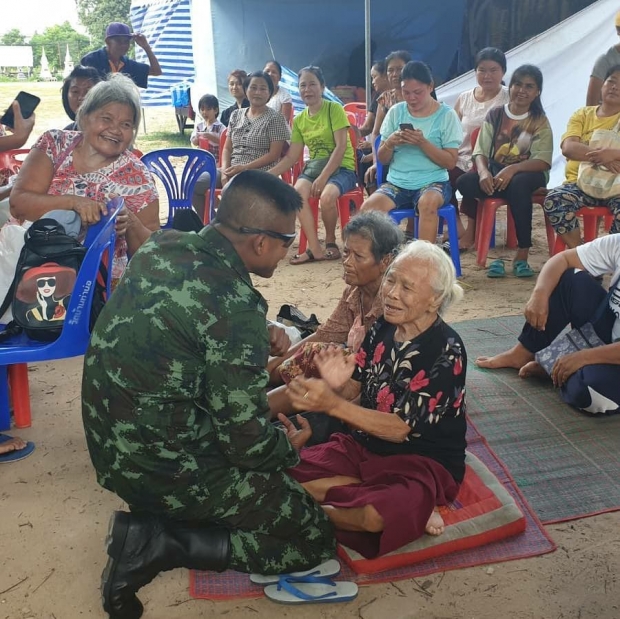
(332,253)
(18,454)
(297,258)
(521,268)
(496,269)
(319,591)
(328,568)
(446,247)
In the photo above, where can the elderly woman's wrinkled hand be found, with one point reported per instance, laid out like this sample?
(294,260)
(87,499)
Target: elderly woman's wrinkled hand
(335,366)
(297,437)
(415,137)
(537,311)
(89,211)
(567,365)
(310,394)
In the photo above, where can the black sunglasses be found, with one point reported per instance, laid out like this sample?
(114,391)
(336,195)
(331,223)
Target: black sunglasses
(49,281)
(287,239)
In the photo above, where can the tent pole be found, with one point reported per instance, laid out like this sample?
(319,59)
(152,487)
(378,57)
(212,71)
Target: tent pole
(368,51)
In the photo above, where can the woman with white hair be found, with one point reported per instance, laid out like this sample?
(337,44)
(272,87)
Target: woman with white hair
(406,454)
(80,171)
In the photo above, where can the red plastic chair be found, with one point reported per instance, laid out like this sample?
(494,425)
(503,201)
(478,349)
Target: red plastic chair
(12,159)
(355,196)
(359,111)
(590,215)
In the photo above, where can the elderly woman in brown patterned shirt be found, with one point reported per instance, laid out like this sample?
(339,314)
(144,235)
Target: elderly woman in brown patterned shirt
(371,240)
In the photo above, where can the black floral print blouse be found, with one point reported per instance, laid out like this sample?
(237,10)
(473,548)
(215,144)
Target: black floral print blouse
(423,382)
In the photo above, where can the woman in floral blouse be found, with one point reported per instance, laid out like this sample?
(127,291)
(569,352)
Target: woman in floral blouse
(406,455)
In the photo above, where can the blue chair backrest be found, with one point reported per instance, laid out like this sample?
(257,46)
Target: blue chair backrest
(380,167)
(75,334)
(100,238)
(180,188)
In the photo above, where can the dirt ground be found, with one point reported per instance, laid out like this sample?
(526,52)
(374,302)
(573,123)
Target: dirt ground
(54,515)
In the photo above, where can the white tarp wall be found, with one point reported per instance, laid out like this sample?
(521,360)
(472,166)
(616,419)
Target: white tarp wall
(565,54)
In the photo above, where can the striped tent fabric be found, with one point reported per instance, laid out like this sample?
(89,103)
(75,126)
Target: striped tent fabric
(167,26)
(289,81)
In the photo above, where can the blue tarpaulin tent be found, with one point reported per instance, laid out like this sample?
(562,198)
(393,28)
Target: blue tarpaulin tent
(201,41)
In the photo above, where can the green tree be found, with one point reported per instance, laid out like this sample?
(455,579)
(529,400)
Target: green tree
(55,40)
(95,15)
(13,37)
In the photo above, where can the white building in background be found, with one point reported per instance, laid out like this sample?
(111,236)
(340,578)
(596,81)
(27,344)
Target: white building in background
(16,59)
(68,64)
(45,67)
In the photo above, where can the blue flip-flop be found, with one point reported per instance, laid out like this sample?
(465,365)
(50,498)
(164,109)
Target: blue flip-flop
(18,454)
(325,569)
(496,269)
(311,590)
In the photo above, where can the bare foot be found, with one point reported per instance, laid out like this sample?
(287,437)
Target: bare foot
(515,358)
(533,368)
(435,524)
(13,444)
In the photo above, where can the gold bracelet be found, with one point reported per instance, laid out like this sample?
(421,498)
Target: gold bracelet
(388,146)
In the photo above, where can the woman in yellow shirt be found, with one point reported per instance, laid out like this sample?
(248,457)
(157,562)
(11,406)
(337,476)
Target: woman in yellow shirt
(564,201)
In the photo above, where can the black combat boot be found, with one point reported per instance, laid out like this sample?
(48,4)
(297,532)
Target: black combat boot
(141,546)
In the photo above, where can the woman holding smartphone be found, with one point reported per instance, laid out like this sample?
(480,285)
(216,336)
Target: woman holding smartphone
(419,140)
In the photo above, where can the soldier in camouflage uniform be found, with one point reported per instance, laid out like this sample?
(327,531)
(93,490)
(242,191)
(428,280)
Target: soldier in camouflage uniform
(175,409)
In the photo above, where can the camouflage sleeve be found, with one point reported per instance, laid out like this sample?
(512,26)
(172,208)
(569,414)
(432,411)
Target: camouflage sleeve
(236,359)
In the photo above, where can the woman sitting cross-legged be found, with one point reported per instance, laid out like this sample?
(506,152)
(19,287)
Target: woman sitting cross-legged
(419,139)
(563,202)
(329,173)
(513,156)
(406,455)
(78,172)
(567,292)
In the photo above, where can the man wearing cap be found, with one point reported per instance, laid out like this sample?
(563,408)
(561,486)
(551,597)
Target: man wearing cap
(609,59)
(112,58)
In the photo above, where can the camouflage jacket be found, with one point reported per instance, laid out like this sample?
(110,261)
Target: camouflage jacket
(174,384)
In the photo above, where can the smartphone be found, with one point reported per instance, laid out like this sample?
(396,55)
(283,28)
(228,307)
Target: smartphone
(27,104)
(404,126)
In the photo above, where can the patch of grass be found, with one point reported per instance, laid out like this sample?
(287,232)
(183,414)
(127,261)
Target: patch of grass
(154,140)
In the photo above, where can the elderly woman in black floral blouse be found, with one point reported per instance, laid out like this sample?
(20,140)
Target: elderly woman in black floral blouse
(380,485)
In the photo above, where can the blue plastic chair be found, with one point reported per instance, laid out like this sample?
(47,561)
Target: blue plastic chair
(75,334)
(447,212)
(180,189)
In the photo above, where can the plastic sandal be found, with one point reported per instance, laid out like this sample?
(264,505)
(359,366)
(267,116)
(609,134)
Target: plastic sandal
(332,253)
(496,269)
(521,268)
(297,258)
(314,590)
(328,568)
(18,454)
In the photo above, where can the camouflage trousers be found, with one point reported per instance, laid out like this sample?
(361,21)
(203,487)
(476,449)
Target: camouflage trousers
(275,525)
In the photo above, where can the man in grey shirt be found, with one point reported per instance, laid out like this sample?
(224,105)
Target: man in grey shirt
(602,65)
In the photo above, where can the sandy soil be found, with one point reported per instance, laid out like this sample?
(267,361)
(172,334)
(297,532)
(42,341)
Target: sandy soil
(54,515)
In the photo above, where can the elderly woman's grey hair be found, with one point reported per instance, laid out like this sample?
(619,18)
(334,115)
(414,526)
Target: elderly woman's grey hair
(442,275)
(117,88)
(384,235)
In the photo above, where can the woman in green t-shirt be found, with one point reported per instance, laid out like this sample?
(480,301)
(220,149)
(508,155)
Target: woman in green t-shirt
(329,173)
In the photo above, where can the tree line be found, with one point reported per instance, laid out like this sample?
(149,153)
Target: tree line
(94,15)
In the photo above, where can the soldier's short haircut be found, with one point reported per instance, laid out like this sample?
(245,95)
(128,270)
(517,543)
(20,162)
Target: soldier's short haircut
(254,197)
